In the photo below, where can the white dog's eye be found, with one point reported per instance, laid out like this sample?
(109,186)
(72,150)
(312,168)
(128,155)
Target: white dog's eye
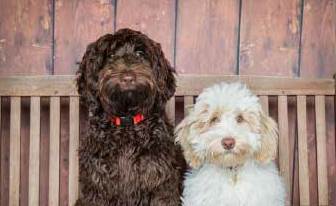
(240,118)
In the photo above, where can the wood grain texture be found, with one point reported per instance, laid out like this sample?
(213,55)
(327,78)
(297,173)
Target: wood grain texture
(24,150)
(34,151)
(303,150)
(207,36)
(64,152)
(78,23)
(154,18)
(73,150)
(284,149)
(54,163)
(25,37)
(318,55)
(14,150)
(44,151)
(321,145)
(269,37)
(170,110)
(5,142)
(64,85)
(264,103)
(331,147)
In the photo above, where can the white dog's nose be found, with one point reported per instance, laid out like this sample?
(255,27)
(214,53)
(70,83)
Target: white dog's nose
(228,143)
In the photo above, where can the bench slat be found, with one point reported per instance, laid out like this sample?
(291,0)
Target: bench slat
(34,151)
(322,176)
(64,85)
(170,109)
(54,151)
(73,147)
(264,103)
(284,141)
(14,152)
(188,101)
(303,150)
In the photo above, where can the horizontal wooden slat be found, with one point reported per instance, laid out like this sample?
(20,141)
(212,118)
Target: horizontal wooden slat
(64,85)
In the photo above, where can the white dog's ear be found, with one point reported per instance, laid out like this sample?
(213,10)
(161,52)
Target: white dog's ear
(269,140)
(182,133)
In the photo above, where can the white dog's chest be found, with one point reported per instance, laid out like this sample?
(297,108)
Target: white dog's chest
(211,186)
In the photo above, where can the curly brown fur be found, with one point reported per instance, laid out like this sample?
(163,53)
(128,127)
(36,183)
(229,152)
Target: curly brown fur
(136,165)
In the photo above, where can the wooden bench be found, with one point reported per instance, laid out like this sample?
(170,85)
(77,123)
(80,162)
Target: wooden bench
(275,94)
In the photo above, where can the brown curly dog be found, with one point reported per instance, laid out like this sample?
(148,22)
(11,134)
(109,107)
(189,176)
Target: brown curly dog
(128,157)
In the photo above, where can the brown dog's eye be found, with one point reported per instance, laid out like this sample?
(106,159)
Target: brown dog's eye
(239,118)
(214,120)
(139,53)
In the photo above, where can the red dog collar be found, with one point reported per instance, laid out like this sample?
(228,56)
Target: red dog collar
(128,120)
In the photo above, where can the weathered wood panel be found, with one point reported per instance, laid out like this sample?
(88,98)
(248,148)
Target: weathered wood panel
(318,59)
(14,151)
(59,85)
(4,167)
(154,18)
(78,23)
(269,37)
(44,152)
(34,151)
(64,151)
(24,150)
(73,150)
(207,36)
(25,37)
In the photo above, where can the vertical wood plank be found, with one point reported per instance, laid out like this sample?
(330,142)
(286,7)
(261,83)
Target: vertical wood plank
(5,144)
(170,110)
(303,150)
(25,37)
(14,162)
(264,104)
(269,37)
(284,142)
(188,100)
(54,151)
(212,28)
(64,152)
(34,151)
(78,23)
(44,150)
(73,148)
(158,22)
(322,175)
(318,39)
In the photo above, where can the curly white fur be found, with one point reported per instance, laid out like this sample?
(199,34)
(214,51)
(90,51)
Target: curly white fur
(243,175)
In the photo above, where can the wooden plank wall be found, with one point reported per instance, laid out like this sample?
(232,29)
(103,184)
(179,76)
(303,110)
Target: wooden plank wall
(295,38)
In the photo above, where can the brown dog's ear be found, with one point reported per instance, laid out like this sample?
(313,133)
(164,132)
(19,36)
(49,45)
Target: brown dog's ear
(269,140)
(165,74)
(182,133)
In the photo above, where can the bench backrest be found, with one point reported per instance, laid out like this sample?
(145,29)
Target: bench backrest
(276,95)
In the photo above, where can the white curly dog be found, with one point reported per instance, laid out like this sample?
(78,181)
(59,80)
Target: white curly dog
(230,143)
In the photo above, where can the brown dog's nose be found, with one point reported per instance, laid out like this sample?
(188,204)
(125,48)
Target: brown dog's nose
(228,143)
(128,78)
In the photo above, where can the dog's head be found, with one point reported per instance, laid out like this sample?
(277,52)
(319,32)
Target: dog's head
(126,72)
(227,127)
